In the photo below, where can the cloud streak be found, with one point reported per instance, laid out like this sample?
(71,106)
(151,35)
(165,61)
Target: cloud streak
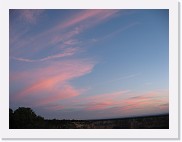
(51,82)
(101,101)
(65,92)
(67,52)
(59,35)
(91,17)
(120,103)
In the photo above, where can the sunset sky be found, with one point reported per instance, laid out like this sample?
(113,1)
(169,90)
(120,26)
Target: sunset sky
(89,64)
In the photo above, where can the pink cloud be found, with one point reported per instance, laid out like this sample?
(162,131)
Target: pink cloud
(31,15)
(107,95)
(91,16)
(164,106)
(100,106)
(69,68)
(104,101)
(146,101)
(54,80)
(62,32)
(67,91)
(120,103)
(42,85)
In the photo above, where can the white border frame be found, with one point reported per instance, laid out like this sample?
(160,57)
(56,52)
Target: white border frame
(171,133)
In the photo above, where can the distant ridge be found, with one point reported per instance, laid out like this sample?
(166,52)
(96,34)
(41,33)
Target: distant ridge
(130,117)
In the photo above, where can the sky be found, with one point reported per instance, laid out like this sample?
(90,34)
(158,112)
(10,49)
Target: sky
(89,63)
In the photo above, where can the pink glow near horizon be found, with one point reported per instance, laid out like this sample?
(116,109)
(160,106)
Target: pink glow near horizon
(102,102)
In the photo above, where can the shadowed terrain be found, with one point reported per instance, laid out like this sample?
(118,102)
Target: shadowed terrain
(25,118)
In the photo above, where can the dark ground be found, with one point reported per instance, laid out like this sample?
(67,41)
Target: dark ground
(147,122)
(25,118)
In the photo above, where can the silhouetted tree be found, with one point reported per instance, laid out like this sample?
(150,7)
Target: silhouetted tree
(11,118)
(24,118)
(40,123)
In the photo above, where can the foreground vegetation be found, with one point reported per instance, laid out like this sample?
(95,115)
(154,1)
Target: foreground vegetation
(25,118)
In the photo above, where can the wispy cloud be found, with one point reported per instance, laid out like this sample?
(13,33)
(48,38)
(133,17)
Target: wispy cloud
(102,101)
(90,17)
(154,100)
(60,34)
(30,15)
(22,59)
(112,95)
(115,33)
(66,52)
(146,100)
(126,77)
(118,103)
(123,78)
(64,92)
(51,82)
(48,57)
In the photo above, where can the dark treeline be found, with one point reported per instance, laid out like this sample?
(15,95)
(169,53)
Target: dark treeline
(25,118)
